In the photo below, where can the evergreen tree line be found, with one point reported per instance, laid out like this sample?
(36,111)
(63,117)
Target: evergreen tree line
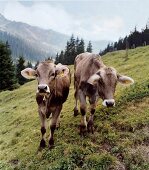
(19,46)
(10,73)
(133,40)
(73,48)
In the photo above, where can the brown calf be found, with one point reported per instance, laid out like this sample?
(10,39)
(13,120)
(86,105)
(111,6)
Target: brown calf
(94,80)
(52,92)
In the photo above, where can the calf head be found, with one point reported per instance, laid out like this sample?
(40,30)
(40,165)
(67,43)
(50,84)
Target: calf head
(106,80)
(45,73)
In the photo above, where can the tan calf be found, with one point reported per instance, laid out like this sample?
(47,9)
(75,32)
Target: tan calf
(94,80)
(52,91)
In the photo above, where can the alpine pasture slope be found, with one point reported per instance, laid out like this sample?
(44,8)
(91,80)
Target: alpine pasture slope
(120,140)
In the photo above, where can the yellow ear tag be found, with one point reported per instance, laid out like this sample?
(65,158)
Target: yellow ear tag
(62,74)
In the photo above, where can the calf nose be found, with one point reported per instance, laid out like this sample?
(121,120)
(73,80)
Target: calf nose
(109,102)
(43,88)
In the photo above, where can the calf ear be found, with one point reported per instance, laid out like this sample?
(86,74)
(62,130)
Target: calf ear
(62,70)
(93,79)
(125,80)
(28,73)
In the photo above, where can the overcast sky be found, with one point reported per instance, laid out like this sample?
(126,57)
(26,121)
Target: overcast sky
(94,20)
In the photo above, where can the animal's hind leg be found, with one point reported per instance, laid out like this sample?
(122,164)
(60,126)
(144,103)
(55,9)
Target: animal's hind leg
(76,112)
(83,125)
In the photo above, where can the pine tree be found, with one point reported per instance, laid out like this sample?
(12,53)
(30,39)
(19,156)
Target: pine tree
(72,49)
(120,44)
(57,59)
(35,67)
(145,36)
(89,47)
(19,67)
(81,47)
(29,64)
(77,45)
(61,57)
(50,58)
(7,69)
(67,54)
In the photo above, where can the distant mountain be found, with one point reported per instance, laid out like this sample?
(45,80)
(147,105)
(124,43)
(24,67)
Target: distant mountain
(35,43)
(20,47)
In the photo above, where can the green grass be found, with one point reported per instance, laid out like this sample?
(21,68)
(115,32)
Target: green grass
(120,140)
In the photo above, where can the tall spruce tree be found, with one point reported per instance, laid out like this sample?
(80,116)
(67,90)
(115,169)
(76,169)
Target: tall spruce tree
(7,69)
(72,49)
(37,63)
(81,47)
(77,45)
(61,57)
(145,36)
(19,67)
(89,47)
(67,54)
(29,64)
(57,59)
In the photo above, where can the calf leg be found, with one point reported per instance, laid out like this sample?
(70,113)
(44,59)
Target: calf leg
(90,125)
(83,125)
(53,124)
(76,103)
(43,129)
(58,122)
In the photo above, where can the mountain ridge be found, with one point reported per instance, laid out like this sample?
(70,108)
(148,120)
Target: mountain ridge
(46,41)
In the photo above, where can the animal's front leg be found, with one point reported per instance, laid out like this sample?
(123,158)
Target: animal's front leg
(53,123)
(90,125)
(43,128)
(83,125)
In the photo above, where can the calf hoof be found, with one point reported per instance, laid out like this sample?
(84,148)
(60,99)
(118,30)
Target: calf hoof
(42,145)
(83,130)
(76,113)
(90,127)
(51,143)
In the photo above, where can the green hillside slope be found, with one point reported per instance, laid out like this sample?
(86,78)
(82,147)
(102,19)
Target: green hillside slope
(120,140)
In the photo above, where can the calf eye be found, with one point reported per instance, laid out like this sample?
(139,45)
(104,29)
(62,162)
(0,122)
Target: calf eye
(52,74)
(36,74)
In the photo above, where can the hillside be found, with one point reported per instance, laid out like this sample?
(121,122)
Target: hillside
(120,140)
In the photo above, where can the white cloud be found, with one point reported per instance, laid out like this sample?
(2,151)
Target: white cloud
(115,23)
(51,16)
(39,14)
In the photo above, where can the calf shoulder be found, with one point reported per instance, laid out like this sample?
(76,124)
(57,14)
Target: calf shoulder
(86,64)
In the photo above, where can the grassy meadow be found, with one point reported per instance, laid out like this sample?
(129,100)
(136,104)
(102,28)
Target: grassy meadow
(121,136)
